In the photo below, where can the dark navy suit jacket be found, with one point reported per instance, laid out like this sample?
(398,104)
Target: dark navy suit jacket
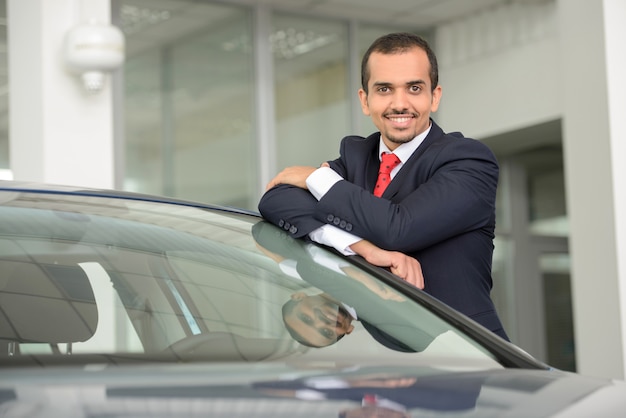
(439,208)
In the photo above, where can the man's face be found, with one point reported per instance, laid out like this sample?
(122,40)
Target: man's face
(319,320)
(400,98)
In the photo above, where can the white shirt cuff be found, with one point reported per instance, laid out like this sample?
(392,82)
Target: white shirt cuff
(321,180)
(324,258)
(288,267)
(334,237)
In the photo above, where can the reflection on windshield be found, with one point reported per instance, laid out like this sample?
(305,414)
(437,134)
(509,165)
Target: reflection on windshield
(345,296)
(156,280)
(323,318)
(383,394)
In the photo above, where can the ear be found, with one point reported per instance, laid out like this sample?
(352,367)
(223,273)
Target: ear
(434,105)
(363,99)
(350,329)
(298,296)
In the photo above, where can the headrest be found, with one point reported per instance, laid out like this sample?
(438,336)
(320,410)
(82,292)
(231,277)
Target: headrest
(45,303)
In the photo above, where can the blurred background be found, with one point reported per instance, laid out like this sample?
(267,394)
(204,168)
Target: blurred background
(215,97)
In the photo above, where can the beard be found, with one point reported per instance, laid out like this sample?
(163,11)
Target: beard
(401,139)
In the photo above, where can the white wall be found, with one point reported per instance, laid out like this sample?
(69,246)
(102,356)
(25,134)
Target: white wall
(500,70)
(523,64)
(593,35)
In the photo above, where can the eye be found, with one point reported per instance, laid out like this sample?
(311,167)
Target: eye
(383,89)
(327,333)
(306,319)
(415,88)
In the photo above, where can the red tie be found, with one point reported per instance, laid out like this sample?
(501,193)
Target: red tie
(387,163)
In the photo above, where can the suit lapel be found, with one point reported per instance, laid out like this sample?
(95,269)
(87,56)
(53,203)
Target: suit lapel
(373,163)
(410,167)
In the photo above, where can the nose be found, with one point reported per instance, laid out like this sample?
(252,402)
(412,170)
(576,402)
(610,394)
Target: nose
(400,100)
(322,318)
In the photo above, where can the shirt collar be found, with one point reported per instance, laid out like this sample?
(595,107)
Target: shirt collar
(404,151)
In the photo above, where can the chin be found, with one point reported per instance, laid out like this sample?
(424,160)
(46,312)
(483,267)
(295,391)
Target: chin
(401,141)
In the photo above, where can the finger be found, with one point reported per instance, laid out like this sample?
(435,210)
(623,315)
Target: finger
(273,182)
(411,278)
(419,280)
(325,164)
(416,277)
(419,275)
(411,273)
(399,271)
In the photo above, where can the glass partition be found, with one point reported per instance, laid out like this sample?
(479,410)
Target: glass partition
(311,88)
(188,101)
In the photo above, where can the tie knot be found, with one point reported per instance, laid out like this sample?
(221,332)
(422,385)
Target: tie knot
(388,162)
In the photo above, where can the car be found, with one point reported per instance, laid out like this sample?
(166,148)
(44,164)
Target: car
(118,304)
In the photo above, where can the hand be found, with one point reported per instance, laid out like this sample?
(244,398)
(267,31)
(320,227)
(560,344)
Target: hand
(296,176)
(276,257)
(403,266)
(374,285)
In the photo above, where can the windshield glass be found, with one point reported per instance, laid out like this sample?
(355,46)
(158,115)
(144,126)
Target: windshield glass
(117,277)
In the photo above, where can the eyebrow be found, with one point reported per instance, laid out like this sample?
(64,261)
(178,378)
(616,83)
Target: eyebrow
(299,336)
(408,83)
(321,333)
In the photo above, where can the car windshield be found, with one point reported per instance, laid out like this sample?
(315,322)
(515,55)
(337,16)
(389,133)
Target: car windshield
(133,280)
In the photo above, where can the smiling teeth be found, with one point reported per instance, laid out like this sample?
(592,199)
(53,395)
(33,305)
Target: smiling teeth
(400,119)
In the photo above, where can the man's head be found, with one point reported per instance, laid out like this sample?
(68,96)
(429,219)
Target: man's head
(400,88)
(316,321)
(395,43)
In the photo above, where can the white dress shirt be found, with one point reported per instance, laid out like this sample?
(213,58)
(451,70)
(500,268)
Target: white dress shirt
(289,267)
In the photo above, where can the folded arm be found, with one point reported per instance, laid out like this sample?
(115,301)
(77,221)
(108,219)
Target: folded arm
(287,201)
(454,195)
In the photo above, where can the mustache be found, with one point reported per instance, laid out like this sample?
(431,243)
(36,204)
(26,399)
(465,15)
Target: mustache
(341,315)
(400,112)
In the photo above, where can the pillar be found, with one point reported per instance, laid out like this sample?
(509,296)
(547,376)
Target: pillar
(59,132)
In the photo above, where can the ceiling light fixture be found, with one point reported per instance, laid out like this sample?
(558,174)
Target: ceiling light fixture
(93,49)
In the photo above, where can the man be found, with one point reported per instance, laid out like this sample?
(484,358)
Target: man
(438,208)
(316,320)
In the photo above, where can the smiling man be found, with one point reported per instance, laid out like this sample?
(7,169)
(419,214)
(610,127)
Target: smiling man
(317,320)
(409,189)
(399,94)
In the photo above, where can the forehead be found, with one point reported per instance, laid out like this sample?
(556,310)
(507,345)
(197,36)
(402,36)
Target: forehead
(399,68)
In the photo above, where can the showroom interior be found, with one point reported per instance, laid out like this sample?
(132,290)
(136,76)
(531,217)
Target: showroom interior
(214,97)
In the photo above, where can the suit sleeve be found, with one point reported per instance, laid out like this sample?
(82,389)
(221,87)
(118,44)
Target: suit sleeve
(290,208)
(457,195)
(293,208)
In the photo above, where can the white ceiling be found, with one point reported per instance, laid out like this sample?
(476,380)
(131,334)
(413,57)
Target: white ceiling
(163,21)
(418,14)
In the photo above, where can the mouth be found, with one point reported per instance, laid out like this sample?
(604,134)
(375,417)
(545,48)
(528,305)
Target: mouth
(333,316)
(400,120)
(328,316)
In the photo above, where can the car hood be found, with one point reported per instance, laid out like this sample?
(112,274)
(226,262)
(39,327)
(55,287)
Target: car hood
(308,390)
